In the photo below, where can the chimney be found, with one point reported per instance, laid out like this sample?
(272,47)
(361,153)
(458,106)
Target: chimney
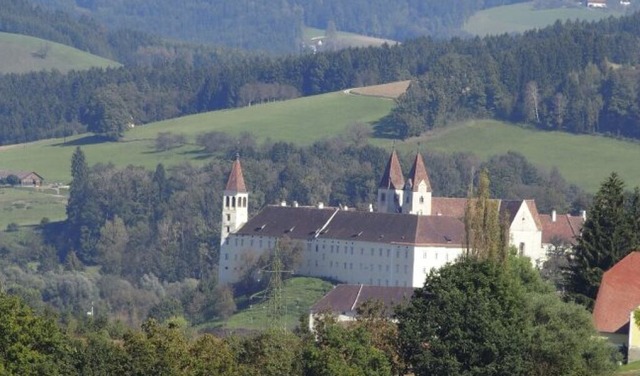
(553,216)
(371,208)
(320,205)
(583,214)
(283,203)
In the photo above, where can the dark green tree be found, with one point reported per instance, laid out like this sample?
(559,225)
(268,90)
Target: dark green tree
(480,318)
(605,239)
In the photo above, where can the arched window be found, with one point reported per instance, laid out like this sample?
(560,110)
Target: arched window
(421,199)
(233,202)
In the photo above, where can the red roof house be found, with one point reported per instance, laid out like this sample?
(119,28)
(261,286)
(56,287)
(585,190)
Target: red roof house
(618,297)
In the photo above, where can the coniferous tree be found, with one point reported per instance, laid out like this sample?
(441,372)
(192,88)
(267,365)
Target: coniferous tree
(605,239)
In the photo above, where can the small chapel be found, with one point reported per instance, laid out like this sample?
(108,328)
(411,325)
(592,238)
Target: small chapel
(406,235)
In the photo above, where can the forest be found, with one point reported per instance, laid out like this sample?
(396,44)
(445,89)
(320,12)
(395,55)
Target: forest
(278,27)
(574,76)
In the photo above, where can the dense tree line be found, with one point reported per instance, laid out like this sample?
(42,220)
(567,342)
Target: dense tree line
(277,27)
(123,44)
(575,76)
(475,317)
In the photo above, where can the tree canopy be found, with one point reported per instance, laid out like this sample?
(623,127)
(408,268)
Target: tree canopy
(477,317)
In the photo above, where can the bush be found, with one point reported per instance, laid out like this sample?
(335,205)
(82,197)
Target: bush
(12,227)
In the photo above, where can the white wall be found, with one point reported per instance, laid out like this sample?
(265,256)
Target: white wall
(428,258)
(524,235)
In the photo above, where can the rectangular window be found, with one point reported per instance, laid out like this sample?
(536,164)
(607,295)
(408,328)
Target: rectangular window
(388,253)
(226,256)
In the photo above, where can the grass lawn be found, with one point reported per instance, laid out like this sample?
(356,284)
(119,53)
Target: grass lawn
(300,293)
(18,55)
(582,159)
(27,206)
(302,120)
(631,369)
(521,17)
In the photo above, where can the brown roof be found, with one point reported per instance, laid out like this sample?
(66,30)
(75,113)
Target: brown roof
(332,223)
(345,299)
(236,180)
(19,174)
(448,206)
(418,174)
(391,228)
(565,229)
(392,177)
(619,294)
(297,223)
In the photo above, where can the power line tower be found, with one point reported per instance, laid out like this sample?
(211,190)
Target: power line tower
(276,307)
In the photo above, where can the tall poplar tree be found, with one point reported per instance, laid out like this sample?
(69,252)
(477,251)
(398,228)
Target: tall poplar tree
(605,239)
(485,235)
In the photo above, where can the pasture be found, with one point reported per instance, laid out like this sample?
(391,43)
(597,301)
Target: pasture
(22,54)
(582,159)
(517,18)
(346,39)
(302,121)
(27,206)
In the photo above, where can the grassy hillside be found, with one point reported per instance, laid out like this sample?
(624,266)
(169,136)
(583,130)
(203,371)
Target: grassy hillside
(346,39)
(584,160)
(300,293)
(21,54)
(302,121)
(27,206)
(522,17)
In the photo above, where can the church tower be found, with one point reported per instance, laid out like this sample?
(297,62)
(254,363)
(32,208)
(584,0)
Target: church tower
(235,198)
(417,190)
(390,193)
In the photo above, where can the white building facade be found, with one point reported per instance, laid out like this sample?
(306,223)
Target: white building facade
(410,234)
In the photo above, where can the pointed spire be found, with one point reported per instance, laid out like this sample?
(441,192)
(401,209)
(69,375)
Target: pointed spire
(236,180)
(418,174)
(392,177)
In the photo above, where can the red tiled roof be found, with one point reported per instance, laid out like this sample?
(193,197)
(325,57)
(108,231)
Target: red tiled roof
(418,174)
(565,229)
(619,294)
(531,204)
(392,177)
(345,299)
(236,180)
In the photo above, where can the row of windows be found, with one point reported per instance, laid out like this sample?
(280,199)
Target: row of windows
(396,198)
(350,250)
(230,202)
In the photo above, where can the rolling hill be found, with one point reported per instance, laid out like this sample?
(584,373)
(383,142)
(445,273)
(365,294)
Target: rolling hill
(22,54)
(582,159)
(520,17)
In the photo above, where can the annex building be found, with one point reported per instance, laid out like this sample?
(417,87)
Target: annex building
(408,234)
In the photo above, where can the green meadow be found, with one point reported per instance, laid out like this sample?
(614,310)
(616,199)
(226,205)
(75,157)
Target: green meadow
(582,159)
(302,120)
(521,17)
(299,294)
(21,54)
(27,206)
(346,38)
